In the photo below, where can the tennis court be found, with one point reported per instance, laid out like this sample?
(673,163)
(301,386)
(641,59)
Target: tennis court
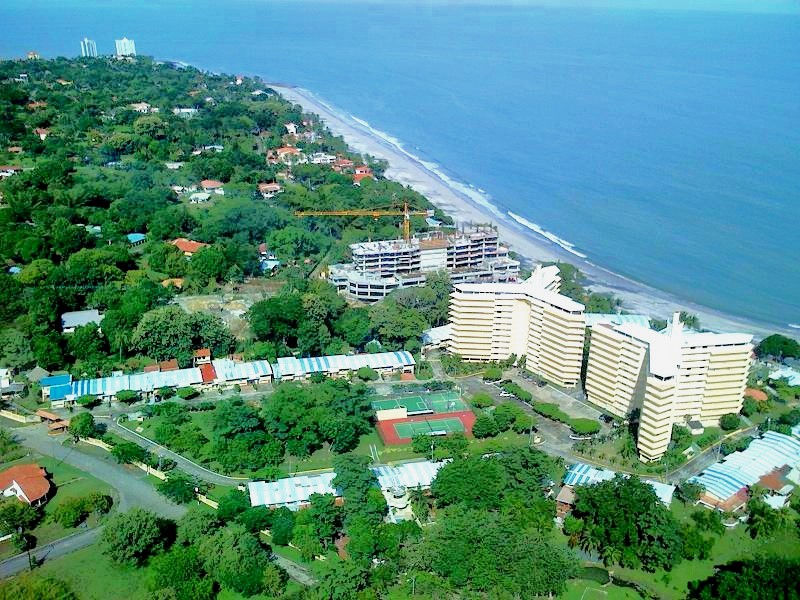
(434,403)
(427,427)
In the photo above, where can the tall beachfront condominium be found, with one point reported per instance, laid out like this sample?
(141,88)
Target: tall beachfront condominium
(674,376)
(492,321)
(88,48)
(125,47)
(380,267)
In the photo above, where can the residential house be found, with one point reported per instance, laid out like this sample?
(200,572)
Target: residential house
(173,165)
(289,155)
(136,239)
(342,164)
(199,198)
(29,483)
(142,108)
(42,132)
(9,170)
(201,357)
(291,128)
(184,112)
(213,186)
(321,158)
(74,319)
(268,190)
(187,246)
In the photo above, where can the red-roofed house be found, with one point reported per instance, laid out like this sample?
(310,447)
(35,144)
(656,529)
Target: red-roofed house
(42,132)
(362,172)
(35,105)
(9,170)
(201,357)
(208,373)
(29,483)
(290,155)
(268,190)
(212,185)
(342,163)
(187,246)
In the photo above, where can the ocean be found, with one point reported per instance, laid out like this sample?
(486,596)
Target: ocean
(661,145)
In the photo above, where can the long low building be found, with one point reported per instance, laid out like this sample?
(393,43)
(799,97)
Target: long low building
(295,492)
(290,368)
(732,476)
(62,390)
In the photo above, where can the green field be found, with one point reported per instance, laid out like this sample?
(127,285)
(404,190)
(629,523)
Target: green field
(436,402)
(433,427)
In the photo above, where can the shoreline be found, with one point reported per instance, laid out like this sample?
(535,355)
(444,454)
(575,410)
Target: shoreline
(533,245)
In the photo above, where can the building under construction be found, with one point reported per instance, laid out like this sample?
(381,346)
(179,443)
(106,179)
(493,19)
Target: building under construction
(379,268)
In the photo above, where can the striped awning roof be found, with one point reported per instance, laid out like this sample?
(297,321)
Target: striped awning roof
(290,366)
(137,382)
(411,475)
(290,491)
(743,469)
(229,370)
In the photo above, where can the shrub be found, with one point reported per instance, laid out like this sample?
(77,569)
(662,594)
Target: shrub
(88,400)
(729,422)
(166,392)
(367,374)
(127,396)
(187,392)
(521,394)
(709,438)
(584,426)
(482,400)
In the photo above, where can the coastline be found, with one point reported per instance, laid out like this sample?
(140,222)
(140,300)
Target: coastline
(535,245)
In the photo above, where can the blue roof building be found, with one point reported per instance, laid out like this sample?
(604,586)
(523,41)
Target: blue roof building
(54,380)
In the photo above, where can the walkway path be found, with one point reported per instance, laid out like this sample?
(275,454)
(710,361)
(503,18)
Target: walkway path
(56,549)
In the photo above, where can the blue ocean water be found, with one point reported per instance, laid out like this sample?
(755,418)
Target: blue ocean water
(663,144)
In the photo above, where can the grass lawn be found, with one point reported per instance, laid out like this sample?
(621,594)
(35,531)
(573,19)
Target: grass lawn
(92,576)
(70,483)
(583,589)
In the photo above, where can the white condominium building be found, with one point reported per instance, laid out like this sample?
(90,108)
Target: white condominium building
(125,47)
(492,321)
(88,48)
(674,376)
(378,268)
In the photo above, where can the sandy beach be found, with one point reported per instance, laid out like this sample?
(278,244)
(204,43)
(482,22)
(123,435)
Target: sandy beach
(406,169)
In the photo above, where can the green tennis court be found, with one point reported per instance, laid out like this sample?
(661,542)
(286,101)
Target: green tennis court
(437,402)
(432,427)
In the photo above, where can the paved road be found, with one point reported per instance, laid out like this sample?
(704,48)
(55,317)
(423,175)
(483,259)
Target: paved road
(55,549)
(295,570)
(128,481)
(184,463)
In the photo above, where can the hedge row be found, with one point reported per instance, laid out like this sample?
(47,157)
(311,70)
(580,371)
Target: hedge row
(552,411)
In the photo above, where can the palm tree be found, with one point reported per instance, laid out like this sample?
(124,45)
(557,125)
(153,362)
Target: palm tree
(610,555)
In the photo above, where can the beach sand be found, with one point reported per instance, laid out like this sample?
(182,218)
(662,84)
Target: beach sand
(406,169)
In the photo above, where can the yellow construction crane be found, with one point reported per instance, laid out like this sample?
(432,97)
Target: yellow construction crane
(406,212)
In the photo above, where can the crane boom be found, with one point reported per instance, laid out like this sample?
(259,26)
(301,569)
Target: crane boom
(406,212)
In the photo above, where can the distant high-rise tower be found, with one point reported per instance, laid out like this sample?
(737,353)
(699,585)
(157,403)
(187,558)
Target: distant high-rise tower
(88,48)
(125,47)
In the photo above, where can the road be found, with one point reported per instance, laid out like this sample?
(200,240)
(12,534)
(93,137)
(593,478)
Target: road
(295,570)
(186,465)
(56,549)
(129,481)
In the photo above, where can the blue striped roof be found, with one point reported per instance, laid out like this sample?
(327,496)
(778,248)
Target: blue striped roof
(300,367)
(743,469)
(59,392)
(55,380)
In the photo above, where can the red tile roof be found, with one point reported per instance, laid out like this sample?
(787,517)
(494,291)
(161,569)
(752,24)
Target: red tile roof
(287,150)
(152,369)
(208,373)
(187,245)
(10,168)
(202,353)
(210,184)
(169,365)
(31,479)
(756,394)
(269,187)
(359,176)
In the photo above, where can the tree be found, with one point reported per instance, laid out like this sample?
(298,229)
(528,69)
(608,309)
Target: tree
(89,401)
(71,513)
(626,515)
(762,520)
(689,491)
(15,349)
(181,571)
(274,580)
(231,505)
(749,406)
(235,558)
(341,580)
(128,452)
(473,482)
(199,522)
(178,487)
(82,426)
(493,374)
(760,578)
(282,526)
(130,538)
(16,515)
(779,346)
(729,422)
(127,396)
(484,427)
(367,374)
